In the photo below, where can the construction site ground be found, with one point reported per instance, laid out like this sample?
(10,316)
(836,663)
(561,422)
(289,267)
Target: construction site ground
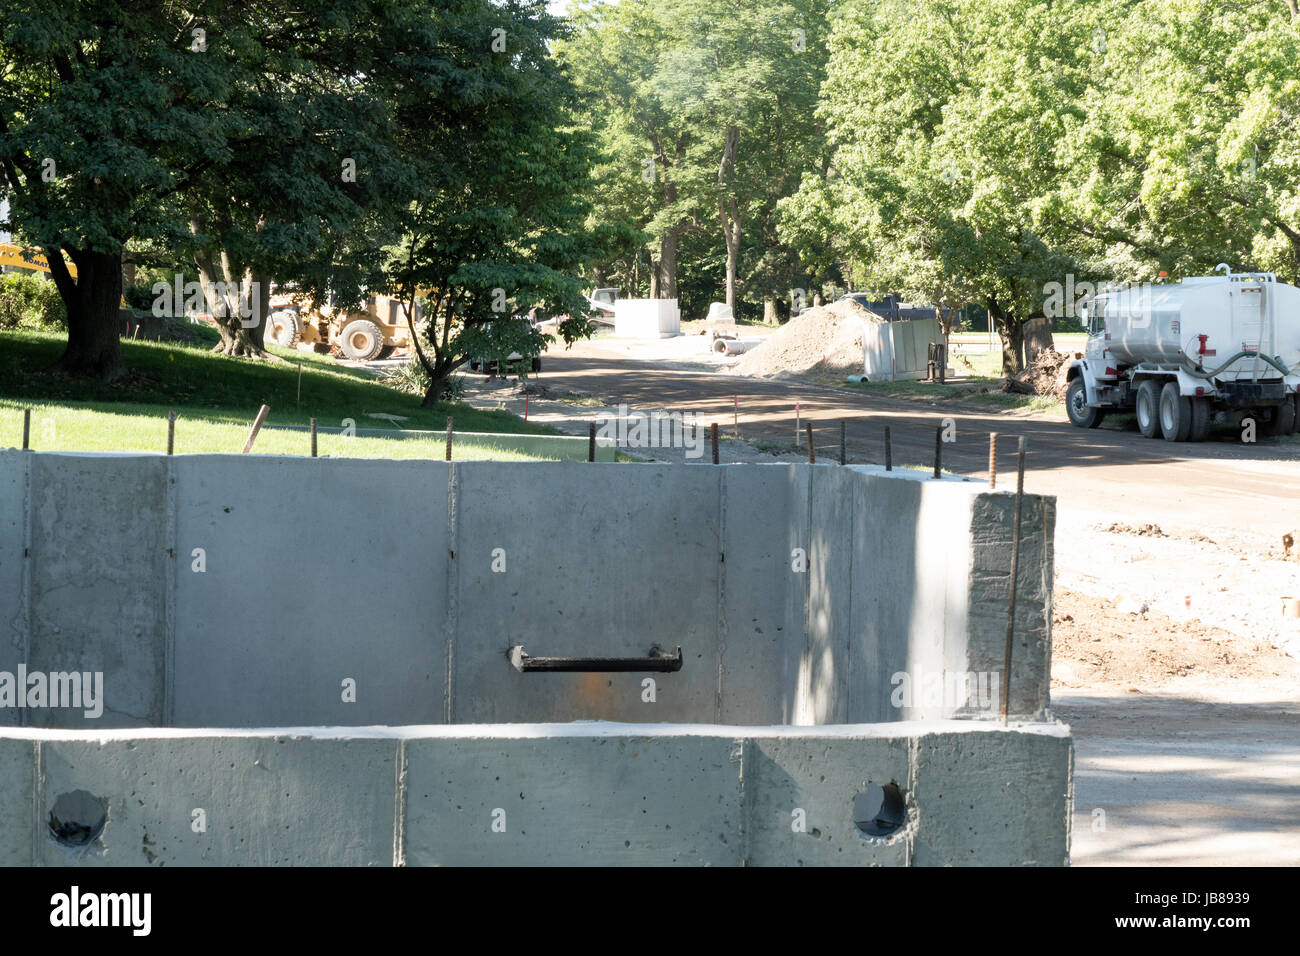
(1172,659)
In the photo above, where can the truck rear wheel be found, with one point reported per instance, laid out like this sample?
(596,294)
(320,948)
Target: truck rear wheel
(1076,406)
(1283,420)
(1175,413)
(361,340)
(1200,420)
(1148,408)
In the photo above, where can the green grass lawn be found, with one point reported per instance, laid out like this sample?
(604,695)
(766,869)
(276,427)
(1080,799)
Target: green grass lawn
(216,400)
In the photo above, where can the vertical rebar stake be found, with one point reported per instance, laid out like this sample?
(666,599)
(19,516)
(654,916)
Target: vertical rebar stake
(1015,568)
(449,433)
(27,428)
(171,432)
(313,438)
(812,453)
(993,460)
(591,441)
(843,452)
(889,454)
(938,452)
(713,429)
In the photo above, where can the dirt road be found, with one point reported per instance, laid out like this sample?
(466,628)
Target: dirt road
(1220,484)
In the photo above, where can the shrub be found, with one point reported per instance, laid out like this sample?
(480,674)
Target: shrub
(28,302)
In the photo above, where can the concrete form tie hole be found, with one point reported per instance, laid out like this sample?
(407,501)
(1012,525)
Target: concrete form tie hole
(879,811)
(77,818)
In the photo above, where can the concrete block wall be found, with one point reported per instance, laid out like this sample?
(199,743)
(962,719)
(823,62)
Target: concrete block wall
(540,794)
(264,591)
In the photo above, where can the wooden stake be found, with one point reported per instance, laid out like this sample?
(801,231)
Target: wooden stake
(257,427)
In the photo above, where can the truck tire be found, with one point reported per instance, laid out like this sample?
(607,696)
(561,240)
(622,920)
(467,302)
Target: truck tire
(1076,406)
(1175,413)
(1200,420)
(1283,420)
(1148,408)
(361,340)
(284,328)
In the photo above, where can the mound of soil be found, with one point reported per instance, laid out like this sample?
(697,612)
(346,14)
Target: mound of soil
(827,338)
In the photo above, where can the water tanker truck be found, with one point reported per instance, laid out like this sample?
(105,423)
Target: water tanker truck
(1221,348)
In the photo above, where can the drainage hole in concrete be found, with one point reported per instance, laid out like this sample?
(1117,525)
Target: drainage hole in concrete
(879,811)
(77,818)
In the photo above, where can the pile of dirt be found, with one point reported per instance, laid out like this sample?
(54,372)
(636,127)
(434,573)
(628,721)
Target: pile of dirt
(827,338)
(1046,374)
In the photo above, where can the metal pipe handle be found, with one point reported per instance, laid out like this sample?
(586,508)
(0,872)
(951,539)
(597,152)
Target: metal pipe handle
(657,661)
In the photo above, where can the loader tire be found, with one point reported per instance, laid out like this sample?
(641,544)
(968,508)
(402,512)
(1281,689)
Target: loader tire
(1148,408)
(284,328)
(1175,413)
(1076,407)
(361,340)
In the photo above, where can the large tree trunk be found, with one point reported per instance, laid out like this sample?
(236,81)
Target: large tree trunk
(241,337)
(769,310)
(729,210)
(92,301)
(665,274)
(1012,334)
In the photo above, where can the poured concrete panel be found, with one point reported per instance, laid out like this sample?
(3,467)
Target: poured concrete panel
(316,572)
(265,800)
(763,591)
(991,524)
(993,799)
(600,561)
(13,591)
(801,794)
(18,810)
(99,560)
(573,800)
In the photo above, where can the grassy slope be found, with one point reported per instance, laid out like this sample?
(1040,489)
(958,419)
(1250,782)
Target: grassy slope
(216,399)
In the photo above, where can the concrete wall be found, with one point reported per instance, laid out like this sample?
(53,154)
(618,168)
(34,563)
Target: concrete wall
(247,591)
(556,794)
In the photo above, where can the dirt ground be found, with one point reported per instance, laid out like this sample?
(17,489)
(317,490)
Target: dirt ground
(1100,646)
